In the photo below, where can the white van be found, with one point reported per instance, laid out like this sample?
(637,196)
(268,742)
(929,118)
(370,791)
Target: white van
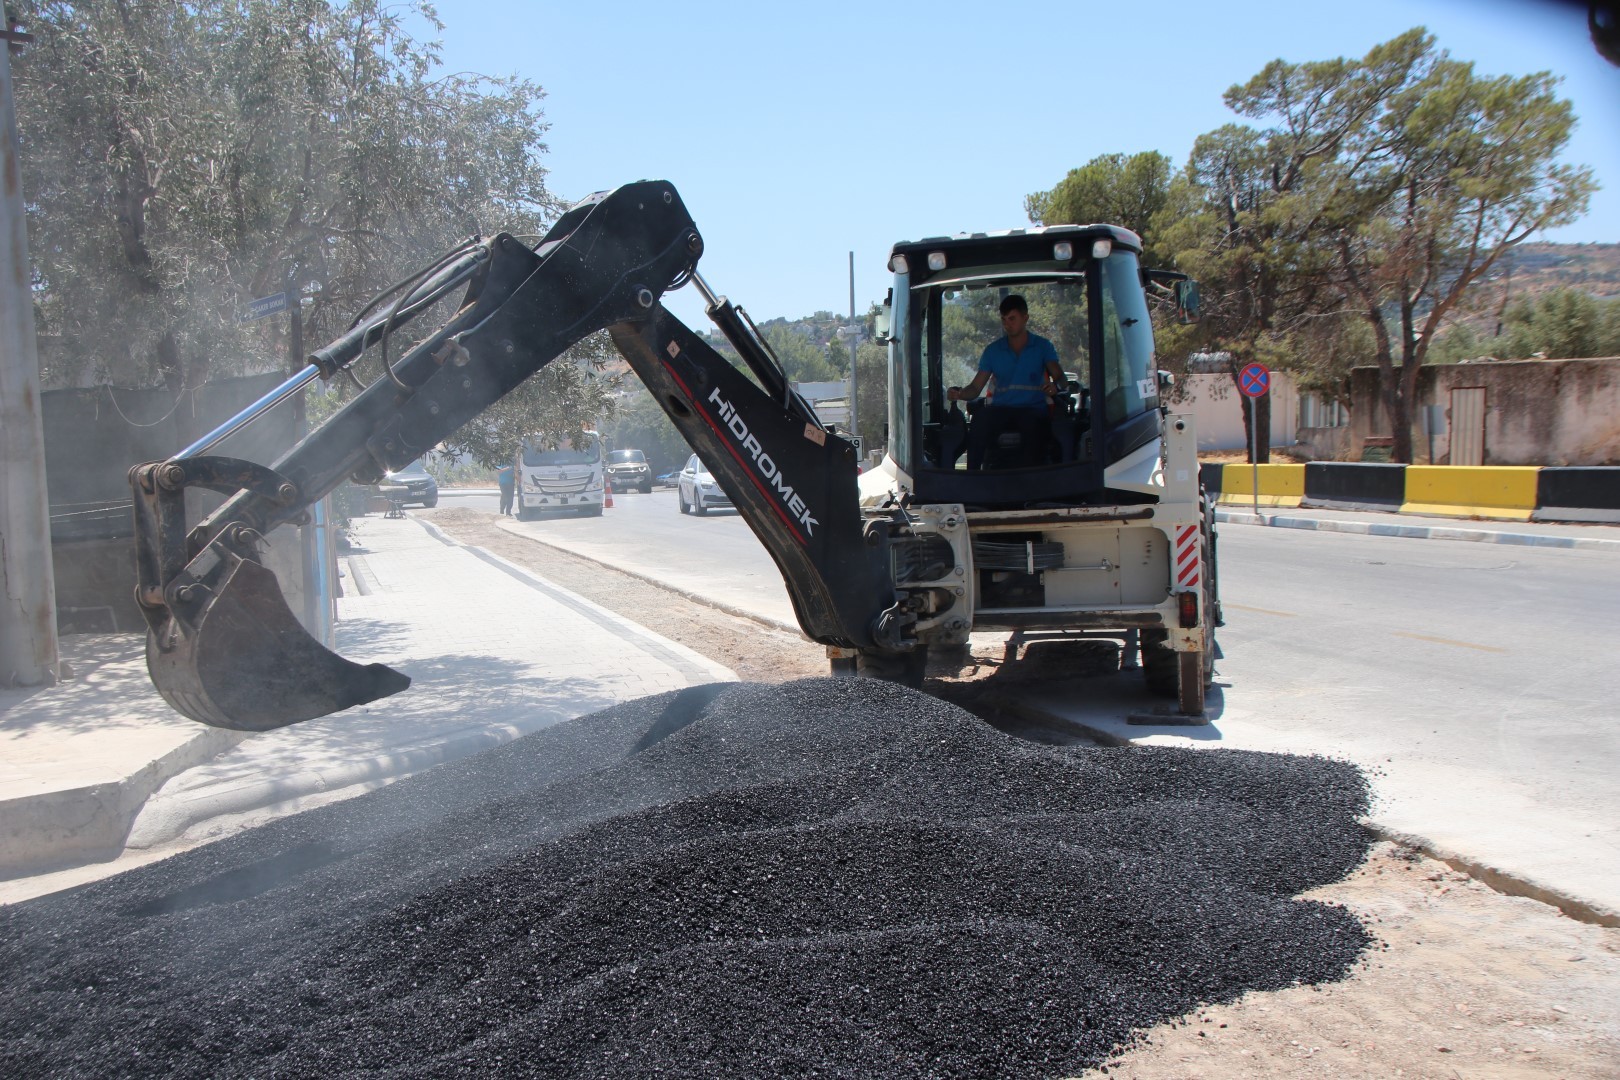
(567,478)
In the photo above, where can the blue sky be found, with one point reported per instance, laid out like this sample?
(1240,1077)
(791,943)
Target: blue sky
(799,134)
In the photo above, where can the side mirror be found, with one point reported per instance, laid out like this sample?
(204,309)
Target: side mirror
(880,324)
(1187,301)
(1166,380)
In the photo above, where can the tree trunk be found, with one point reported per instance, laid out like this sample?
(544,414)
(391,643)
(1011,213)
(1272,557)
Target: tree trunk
(170,365)
(1411,368)
(1257,451)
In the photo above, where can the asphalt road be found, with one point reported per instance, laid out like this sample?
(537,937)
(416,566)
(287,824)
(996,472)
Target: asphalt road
(1479,678)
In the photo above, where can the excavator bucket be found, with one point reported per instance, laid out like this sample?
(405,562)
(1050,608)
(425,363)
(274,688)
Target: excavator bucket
(242,661)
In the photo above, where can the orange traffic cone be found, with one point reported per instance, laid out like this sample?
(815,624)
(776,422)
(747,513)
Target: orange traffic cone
(607,496)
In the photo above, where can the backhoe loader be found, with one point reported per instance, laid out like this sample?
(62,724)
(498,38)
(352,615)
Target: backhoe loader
(1108,535)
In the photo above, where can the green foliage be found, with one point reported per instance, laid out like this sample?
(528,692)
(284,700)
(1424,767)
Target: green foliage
(565,399)
(641,424)
(872,393)
(803,359)
(183,159)
(969,320)
(1565,324)
(1458,343)
(1110,189)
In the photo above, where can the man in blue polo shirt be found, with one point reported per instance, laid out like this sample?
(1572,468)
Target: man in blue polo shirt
(1027,373)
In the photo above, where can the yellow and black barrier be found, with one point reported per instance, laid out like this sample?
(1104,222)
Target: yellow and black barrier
(1502,492)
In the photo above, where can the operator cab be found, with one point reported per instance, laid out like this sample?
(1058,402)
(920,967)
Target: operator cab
(1085,290)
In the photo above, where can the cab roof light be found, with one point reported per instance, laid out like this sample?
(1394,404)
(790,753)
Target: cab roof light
(1062,251)
(899,265)
(1101,249)
(936,260)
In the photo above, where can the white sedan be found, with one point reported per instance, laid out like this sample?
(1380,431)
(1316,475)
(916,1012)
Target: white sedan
(696,490)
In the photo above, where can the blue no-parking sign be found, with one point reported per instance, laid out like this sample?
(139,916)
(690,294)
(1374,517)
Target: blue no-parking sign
(1254,380)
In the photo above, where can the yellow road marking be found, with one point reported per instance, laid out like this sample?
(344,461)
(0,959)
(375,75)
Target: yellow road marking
(1262,611)
(1448,641)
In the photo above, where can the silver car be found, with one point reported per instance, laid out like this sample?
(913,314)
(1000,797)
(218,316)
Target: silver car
(697,490)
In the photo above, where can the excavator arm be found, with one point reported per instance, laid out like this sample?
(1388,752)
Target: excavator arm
(223,647)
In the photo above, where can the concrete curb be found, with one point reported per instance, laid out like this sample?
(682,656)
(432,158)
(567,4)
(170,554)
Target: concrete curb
(74,826)
(1419,532)
(1503,881)
(166,818)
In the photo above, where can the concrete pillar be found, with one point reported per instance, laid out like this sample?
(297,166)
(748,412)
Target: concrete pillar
(28,646)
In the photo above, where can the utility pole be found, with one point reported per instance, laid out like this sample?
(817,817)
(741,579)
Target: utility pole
(854,352)
(28,645)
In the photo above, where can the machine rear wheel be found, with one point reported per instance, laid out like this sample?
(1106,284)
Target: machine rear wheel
(1159,666)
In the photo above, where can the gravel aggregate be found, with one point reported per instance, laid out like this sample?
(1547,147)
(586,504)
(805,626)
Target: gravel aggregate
(831,878)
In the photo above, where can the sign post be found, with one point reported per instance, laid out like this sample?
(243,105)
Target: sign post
(1254,381)
(265,305)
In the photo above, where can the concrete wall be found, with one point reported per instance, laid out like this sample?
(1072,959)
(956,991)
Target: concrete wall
(1537,412)
(1324,444)
(92,438)
(1217,410)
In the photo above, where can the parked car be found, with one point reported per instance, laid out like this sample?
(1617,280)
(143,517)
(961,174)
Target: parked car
(696,490)
(419,486)
(668,479)
(629,469)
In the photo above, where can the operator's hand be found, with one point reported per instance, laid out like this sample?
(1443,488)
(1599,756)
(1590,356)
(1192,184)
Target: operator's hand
(953,393)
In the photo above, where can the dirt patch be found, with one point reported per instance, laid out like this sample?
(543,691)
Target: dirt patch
(1465,982)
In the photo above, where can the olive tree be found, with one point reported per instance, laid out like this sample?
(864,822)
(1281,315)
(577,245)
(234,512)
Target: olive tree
(183,158)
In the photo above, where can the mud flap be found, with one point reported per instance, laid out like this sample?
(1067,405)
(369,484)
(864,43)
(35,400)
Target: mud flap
(239,659)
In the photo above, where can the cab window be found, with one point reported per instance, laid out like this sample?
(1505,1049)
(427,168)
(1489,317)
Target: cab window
(1130,375)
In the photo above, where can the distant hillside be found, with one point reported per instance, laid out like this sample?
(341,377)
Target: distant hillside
(1526,272)
(1531,269)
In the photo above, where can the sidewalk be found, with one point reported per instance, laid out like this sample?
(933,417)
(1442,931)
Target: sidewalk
(97,774)
(1594,537)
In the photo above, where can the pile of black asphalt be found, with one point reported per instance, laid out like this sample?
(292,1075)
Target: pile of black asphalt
(822,878)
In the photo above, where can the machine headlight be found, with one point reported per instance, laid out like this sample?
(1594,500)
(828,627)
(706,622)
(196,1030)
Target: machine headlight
(936,260)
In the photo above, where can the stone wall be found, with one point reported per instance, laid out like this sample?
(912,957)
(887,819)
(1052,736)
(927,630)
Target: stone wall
(1537,412)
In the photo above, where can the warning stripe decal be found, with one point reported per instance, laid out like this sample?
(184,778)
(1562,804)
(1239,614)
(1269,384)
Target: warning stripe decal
(1187,556)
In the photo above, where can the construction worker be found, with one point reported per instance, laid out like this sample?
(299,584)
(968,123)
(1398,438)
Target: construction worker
(505,477)
(1027,373)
